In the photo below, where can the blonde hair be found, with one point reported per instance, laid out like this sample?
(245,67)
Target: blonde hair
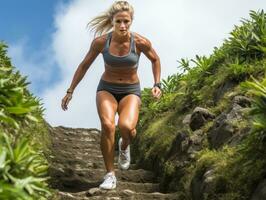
(103,22)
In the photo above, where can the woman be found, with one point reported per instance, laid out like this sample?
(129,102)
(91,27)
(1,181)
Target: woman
(119,88)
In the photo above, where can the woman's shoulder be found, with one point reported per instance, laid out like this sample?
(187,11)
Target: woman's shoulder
(141,41)
(99,42)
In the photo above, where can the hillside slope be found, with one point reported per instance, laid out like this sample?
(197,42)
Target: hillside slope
(205,138)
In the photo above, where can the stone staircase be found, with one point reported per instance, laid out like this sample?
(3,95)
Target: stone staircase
(77,169)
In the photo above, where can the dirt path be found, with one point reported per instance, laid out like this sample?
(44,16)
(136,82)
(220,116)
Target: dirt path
(78,168)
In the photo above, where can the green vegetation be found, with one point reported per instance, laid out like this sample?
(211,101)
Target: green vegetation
(258,90)
(23,138)
(210,82)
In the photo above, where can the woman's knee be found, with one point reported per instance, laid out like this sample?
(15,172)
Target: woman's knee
(126,127)
(108,127)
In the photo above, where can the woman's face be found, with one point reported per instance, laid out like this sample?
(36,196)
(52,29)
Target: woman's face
(121,22)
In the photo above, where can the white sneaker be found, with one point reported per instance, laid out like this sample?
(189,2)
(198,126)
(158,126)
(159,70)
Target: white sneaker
(124,156)
(109,181)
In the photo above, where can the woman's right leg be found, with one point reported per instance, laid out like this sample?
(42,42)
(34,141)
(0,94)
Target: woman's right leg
(107,107)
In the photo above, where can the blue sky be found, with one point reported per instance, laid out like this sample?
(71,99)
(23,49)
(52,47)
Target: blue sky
(31,19)
(48,39)
(29,22)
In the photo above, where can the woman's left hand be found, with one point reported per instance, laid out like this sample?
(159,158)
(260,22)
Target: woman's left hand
(156,92)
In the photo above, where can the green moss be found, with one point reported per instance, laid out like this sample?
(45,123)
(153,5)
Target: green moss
(230,196)
(152,144)
(240,124)
(215,159)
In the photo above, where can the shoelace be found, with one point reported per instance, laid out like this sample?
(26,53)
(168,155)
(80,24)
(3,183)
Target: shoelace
(123,155)
(109,178)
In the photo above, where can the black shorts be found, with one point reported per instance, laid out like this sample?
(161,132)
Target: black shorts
(119,90)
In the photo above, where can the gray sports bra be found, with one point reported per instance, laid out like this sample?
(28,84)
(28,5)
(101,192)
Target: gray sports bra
(129,60)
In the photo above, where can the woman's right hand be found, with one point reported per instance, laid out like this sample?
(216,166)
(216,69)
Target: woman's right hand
(66,100)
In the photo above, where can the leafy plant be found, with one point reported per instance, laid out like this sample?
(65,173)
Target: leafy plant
(258,91)
(248,41)
(20,165)
(184,65)
(171,83)
(23,167)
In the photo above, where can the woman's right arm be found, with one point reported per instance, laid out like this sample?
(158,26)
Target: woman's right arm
(95,49)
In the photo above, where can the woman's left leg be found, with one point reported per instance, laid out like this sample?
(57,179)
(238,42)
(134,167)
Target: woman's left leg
(128,111)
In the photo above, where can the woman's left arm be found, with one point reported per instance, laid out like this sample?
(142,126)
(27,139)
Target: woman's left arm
(146,47)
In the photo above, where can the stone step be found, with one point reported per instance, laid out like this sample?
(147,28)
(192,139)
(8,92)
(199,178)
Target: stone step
(137,176)
(79,157)
(68,154)
(87,165)
(96,193)
(138,187)
(67,136)
(77,169)
(75,137)
(66,157)
(79,164)
(130,195)
(76,131)
(70,146)
(76,184)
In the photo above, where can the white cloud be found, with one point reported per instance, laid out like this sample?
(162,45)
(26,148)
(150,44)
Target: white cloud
(37,66)
(176,29)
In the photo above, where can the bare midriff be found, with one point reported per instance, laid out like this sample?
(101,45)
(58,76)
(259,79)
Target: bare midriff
(120,75)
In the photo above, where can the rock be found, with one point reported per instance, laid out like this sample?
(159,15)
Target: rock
(220,132)
(197,137)
(199,117)
(128,192)
(223,131)
(179,144)
(95,191)
(222,89)
(203,184)
(242,101)
(208,184)
(237,138)
(196,140)
(196,186)
(236,113)
(186,119)
(185,145)
(64,194)
(260,192)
